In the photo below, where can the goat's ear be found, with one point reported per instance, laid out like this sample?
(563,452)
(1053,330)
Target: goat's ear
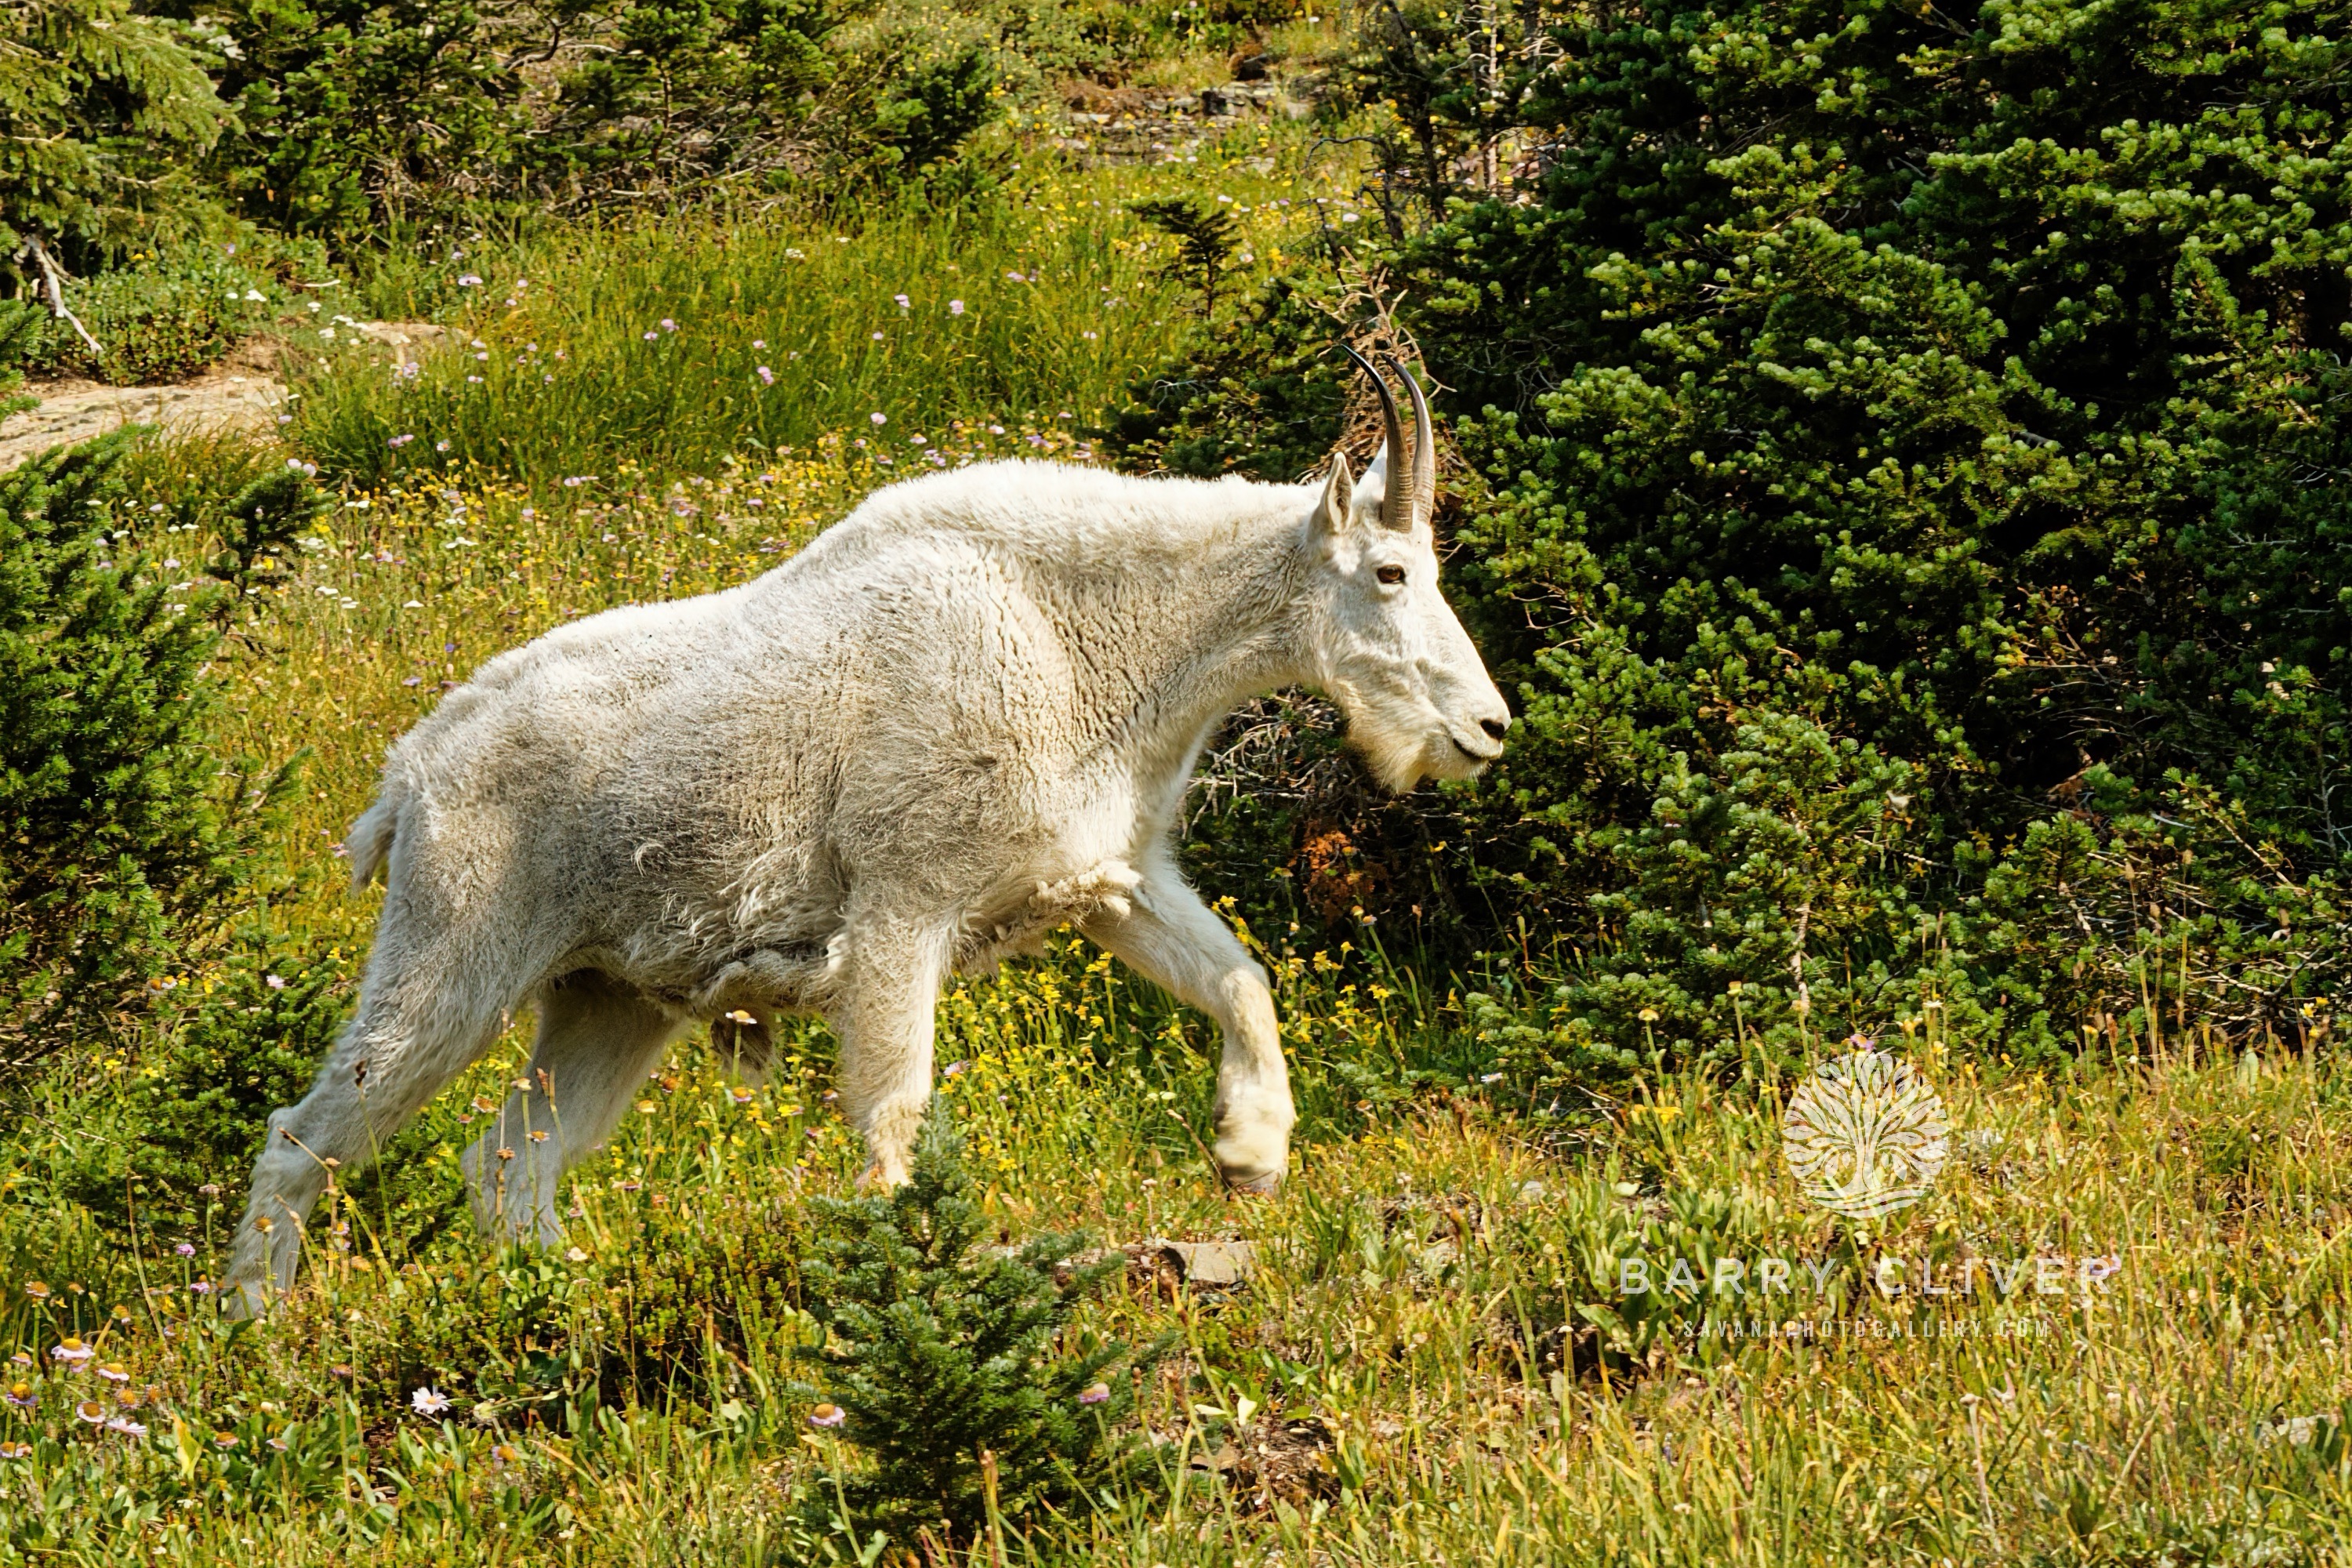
(1338,495)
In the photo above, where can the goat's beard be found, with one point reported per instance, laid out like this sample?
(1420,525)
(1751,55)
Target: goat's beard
(1400,770)
(1398,755)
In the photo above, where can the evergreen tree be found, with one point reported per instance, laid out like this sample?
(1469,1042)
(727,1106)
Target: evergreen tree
(1205,240)
(101,109)
(120,827)
(347,108)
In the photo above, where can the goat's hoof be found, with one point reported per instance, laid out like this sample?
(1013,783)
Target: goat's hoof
(1261,1186)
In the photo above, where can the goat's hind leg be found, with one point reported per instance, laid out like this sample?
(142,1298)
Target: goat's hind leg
(598,1039)
(411,1035)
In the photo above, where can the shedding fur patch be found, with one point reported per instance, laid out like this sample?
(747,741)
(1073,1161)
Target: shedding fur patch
(1102,889)
(770,980)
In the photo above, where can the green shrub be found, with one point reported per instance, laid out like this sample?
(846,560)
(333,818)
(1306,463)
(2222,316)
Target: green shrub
(940,1352)
(22,324)
(690,92)
(345,109)
(1257,395)
(122,824)
(160,319)
(1205,241)
(1637,1287)
(910,92)
(353,116)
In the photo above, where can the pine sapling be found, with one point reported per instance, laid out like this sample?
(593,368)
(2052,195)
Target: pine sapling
(1205,242)
(943,1358)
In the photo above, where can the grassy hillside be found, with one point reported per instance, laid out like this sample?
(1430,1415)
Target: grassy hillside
(1434,1359)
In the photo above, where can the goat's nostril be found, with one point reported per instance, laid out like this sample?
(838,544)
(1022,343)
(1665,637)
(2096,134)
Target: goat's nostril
(1496,727)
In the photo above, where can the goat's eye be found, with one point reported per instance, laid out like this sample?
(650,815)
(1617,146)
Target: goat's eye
(1391,574)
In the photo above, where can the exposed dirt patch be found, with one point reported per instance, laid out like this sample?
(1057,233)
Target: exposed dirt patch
(242,392)
(1273,1461)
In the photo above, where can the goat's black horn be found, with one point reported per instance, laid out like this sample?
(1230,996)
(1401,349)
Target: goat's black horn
(1394,502)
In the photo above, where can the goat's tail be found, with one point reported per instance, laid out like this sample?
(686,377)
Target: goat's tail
(369,843)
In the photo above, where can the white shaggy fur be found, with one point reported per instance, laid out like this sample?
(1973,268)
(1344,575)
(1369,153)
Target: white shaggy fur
(961,717)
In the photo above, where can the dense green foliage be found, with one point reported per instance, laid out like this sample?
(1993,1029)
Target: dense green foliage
(348,111)
(941,1357)
(1913,516)
(132,123)
(344,116)
(342,108)
(236,1053)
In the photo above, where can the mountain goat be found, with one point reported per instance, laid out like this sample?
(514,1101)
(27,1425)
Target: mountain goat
(963,716)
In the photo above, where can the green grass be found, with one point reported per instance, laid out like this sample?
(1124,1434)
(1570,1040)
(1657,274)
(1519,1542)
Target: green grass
(1417,1332)
(645,342)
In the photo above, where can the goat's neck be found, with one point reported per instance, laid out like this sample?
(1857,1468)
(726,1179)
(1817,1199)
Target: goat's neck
(1221,631)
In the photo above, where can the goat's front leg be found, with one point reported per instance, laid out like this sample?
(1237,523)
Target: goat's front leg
(890,994)
(1170,937)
